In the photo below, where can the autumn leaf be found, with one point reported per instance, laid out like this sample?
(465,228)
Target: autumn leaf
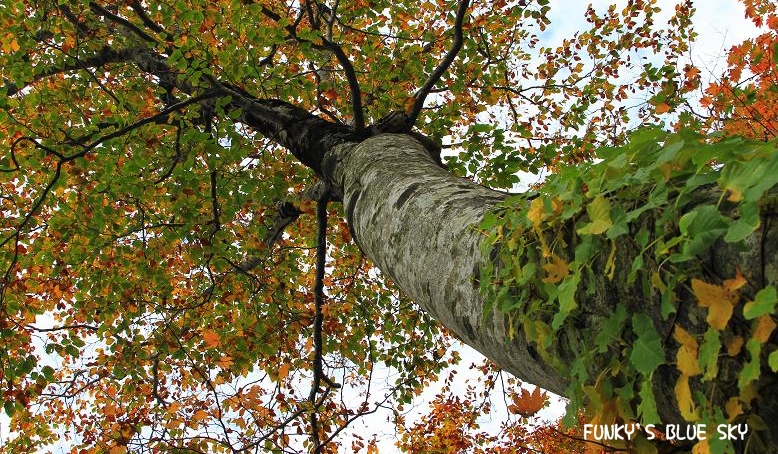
(599,217)
(764,326)
(734,408)
(225,361)
(701,447)
(211,338)
(199,415)
(683,395)
(537,212)
(556,270)
(527,404)
(283,371)
(686,358)
(719,301)
(662,108)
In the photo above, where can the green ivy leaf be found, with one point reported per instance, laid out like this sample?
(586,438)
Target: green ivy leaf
(599,217)
(764,303)
(751,370)
(647,351)
(749,221)
(702,227)
(709,354)
(647,407)
(772,361)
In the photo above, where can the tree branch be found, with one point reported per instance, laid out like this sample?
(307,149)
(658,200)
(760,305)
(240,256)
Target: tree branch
(343,60)
(121,21)
(318,294)
(449,58)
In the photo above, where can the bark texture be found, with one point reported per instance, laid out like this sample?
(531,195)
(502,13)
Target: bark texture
(416,222)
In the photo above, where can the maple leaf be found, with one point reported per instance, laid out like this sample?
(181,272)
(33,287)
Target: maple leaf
(211,338)
(528,403)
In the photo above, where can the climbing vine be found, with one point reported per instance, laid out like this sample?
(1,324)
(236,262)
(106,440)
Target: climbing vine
(638,216)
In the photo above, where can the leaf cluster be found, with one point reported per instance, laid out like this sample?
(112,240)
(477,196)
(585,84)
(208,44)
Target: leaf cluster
(639,218)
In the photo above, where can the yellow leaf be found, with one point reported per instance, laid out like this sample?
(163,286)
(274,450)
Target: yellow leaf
(719,301)
(599,217)
(687,356)
(211,339)
(536,212)
(736,283)
(702,447)
(764,327)
(734,408)
(556,270)
(610,264)
(683,395)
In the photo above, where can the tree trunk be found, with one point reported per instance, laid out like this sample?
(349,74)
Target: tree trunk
(418,224)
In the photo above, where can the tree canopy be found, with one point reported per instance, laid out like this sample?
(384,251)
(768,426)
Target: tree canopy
(173,278)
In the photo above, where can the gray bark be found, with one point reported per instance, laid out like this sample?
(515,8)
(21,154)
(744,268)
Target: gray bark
(416,222)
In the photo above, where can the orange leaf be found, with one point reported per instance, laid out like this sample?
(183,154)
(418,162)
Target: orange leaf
(734,408)
(199,415)
(224,362)
(662,108)
(556,270)
(211,339)
(702,447)
(283,371)
(527,404)
(764,327)
(734,345)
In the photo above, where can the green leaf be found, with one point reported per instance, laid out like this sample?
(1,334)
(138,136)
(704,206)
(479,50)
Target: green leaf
(647,351)
(610,328)
(599,217)
(701,227)
(772,361)
(481,127)
(748,222)
(647,407)
(764,303)
(10,408)
(566,295)
(751,370)
(709,354)
(748,180)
